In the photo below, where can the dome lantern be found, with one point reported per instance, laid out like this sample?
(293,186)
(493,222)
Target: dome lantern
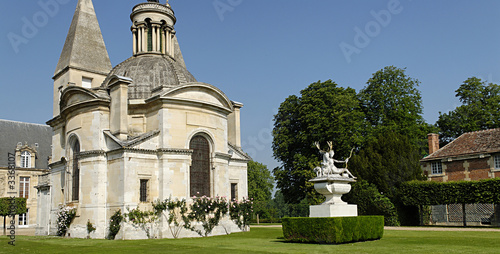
(153,28)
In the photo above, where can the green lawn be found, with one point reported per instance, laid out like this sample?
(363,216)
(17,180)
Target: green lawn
(267,240)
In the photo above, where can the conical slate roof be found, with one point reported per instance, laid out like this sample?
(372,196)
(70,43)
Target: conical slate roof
(84,47)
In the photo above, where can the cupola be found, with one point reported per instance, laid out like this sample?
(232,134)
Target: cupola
(153,28)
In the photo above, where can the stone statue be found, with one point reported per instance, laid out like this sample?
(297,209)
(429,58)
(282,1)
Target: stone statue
(328,164)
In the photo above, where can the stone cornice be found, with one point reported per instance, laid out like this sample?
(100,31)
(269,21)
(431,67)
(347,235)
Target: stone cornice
(58,163)
(132,150)
(175,151)
(55,121)
(223,156)
(156,7)
(148,151)
(57,75)
(38,170)
(93,153)
(85,105)
(240,160)
(193,103)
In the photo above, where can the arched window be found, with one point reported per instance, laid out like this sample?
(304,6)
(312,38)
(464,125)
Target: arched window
(200,167)
(75,149)
(25,159)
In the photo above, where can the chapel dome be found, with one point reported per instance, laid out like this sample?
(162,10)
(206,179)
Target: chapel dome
(150,73)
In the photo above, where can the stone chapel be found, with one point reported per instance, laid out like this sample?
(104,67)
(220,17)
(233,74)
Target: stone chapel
(142,131)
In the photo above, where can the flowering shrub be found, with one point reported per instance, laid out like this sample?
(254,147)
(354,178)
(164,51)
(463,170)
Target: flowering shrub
(241,213)
(114,224)
(64,218)
(209,212)
(177,214)
(142,219)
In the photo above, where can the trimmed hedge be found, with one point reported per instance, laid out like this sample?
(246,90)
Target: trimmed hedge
(334,229)
(463,192)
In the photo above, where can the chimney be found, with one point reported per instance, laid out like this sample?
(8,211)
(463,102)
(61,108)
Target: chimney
(233,119)
(118,125)
(433,142)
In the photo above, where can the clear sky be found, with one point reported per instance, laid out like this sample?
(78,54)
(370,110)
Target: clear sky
(261,51)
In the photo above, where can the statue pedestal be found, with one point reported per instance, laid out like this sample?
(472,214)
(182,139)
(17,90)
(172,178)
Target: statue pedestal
(333,187)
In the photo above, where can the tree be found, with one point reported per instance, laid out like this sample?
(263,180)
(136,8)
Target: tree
(324,112)
(480,110)
(387,161)
(9,206)
(392,102)
(280,205)
(260,186)
(371,202)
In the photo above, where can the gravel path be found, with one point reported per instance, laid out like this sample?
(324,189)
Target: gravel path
(443,229)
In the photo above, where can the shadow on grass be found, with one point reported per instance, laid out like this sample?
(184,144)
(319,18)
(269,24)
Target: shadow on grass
(283,240)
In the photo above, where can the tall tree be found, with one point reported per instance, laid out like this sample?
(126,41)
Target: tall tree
(391,101)
(480,110)
(324,112)
(387,161)
(260,186)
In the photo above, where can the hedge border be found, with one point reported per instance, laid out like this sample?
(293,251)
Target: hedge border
(462,192)
(333,230)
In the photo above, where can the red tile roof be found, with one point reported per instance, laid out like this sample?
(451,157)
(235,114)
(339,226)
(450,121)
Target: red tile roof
(478,142)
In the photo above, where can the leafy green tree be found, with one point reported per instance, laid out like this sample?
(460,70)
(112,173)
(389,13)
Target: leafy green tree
(387,161)
(371,202)
(391,101)
(279,205)
(324,112)
(6,206)
(260,187)
(480,110)
(260,182)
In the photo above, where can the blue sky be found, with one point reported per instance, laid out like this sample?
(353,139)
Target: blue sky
(259,52)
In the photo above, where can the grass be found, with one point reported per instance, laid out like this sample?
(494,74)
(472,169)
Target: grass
(267,240)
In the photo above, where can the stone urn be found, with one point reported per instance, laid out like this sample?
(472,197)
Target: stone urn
(333,187)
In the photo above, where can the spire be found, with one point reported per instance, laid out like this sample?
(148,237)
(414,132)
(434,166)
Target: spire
(84,47)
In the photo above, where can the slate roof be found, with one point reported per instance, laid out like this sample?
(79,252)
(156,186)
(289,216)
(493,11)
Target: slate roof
(11,133)
(84,47)
(471,143)
(149,72)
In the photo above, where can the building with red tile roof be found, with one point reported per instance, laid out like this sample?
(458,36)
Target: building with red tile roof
(472,156)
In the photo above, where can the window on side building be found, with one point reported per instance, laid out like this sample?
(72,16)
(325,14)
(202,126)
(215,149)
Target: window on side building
(437,168)
(24,187)
(23,219)
(25,159)
(497,161)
